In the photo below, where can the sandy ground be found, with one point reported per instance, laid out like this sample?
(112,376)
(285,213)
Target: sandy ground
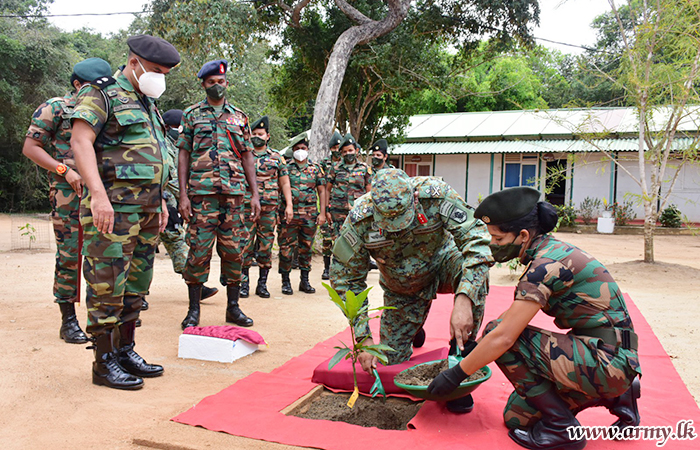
(48,401)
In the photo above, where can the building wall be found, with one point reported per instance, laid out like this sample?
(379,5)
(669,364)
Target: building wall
(479,175)
(591,178)
(452,169)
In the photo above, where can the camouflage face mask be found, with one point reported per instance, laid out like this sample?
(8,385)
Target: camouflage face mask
(504,253)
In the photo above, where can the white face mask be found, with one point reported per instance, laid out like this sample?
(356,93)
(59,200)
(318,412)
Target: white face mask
(151,84)
(301,155)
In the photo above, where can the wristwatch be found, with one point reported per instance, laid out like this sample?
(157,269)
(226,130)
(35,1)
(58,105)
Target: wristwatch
(61,169)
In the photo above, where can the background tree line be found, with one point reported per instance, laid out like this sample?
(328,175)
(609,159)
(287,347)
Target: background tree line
(278,58)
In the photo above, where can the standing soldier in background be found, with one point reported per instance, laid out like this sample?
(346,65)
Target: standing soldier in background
(173,237)
(271,175)
(380,157)
(47,143)
(119,145)
(326,229)
(308,190)
(215,161)
(347,181)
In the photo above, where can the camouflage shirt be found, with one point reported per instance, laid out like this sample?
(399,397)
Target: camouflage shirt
(215,144)
(51,126)
(406,259)
(129,145)
(269,167)
(373,172)
(173,186)
(574,288)
(304,179)
(327,164)
(348,182)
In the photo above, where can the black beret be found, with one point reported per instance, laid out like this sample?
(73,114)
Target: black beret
(91,69)
(380,146)
(173,117)
(216,67)
(263,122)
(507,205)
(335,139)
(348,140)
(154,49)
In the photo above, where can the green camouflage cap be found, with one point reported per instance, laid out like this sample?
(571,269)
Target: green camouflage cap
(263,122)
(348,140)
(507,205)
(335,139)
(302,137)
(392,196)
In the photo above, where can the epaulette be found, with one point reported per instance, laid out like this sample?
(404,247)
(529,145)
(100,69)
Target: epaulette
(191,108)
(103,82)
(429,187)
(362,209)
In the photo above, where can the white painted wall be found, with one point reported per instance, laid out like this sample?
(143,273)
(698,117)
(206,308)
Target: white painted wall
(479,173)
(591,177)
(452,169)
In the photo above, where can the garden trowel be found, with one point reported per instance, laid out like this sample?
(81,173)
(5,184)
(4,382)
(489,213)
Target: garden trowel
(454,356)
(377,387)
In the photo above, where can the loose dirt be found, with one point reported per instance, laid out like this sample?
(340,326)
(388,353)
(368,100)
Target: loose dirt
(48,400)
(423,374)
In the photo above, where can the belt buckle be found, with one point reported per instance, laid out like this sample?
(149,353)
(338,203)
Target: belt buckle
(626,339)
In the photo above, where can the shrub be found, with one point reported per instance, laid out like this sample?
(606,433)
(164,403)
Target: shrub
(623,213)
(671,217)
(588,209)
(567,216)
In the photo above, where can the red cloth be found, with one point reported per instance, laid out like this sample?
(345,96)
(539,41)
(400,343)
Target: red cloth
(251,406)
(227,332)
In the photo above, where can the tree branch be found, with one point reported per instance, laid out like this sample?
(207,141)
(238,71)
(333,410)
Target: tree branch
(352,13)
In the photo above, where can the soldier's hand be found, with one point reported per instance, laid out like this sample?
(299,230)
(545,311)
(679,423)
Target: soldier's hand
(367,361)
(461,321)
(321,219)
(447,381)
(75,180)
(329,219)
(254,208)
(288,214)
(102,213)
(163,219)
(185,208)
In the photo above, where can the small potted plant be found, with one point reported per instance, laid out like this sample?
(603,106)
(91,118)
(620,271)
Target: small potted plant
(606,223)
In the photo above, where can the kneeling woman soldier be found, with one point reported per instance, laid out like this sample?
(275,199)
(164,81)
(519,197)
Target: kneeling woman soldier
(555,375)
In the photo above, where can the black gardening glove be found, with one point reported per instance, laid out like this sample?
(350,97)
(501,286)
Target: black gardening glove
(447,381)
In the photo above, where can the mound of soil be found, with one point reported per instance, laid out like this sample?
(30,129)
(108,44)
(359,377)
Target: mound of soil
(368,412)
(423,374)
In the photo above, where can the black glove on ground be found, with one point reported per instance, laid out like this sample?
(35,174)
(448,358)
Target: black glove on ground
(447,381)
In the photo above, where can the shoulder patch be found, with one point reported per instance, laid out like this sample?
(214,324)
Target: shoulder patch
(459,215)
(362,209)
(430,189)
(101,83)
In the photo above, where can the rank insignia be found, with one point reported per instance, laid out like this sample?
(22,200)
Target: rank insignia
(422,219)
(123,99)
(459,215)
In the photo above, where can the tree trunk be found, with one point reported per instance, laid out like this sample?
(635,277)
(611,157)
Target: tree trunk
(327,97)
(649,226)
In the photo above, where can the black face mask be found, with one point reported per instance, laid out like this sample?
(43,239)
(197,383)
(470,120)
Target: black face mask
(349,158)
(173,134)
(258,142)
(216,92)
(377,162)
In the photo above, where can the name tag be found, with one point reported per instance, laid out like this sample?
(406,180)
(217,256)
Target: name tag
(127,106)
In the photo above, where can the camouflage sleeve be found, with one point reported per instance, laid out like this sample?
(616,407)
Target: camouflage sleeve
(472,238)
(350,266)
(283,170)
(91,107)
(535,284)
(320,177)
(247,145)
(330,175)
(45,120)
(184,142)
(368,175)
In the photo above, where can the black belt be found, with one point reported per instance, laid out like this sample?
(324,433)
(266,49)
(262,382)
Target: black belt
(622,337)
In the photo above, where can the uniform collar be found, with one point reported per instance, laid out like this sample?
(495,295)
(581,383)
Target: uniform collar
(123,81)
(301,165)
(225,107)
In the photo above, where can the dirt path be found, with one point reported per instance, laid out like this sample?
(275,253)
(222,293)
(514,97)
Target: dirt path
(48,400)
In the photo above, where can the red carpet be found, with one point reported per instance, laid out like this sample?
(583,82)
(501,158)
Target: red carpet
(250,407)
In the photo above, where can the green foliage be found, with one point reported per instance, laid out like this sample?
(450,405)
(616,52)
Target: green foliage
(28,230)
(356,310)
(567,216)
(671,217)
(588,209)
(623,212)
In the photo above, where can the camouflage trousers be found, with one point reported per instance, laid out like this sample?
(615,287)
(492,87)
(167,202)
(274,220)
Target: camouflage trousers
(118,267)
(399,326)
(173,239)
(65,212)
(327,247)
(581,369)
(337,219)
(264,232)
(298,234)
(220,218)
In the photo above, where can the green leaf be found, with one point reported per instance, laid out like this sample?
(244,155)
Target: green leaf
(381,347)
(356,303)
(382,308)
(336,298)
(338,357)
(380,356)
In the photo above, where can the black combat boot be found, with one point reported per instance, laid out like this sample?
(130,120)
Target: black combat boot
(233,311)
(245,285)
(144,304)
(461,405)
(131,361)
(326,275)
(70,330)
(106,371)
(625,406)
(286,284)
(419,338)
(550,432)
(195,294)
(208,292)
(261,289)
(304,285)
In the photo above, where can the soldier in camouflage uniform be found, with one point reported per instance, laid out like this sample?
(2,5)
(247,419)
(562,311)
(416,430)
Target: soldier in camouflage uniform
(425,240)
(326,231)
(47,143)
(119,145)
(216,167)
(272,177)
(346,182)
(555,375)
(380,157)
(308,196)
(174,236)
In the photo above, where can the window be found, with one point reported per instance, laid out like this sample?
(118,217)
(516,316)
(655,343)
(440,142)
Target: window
(520,170)
(419,165)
